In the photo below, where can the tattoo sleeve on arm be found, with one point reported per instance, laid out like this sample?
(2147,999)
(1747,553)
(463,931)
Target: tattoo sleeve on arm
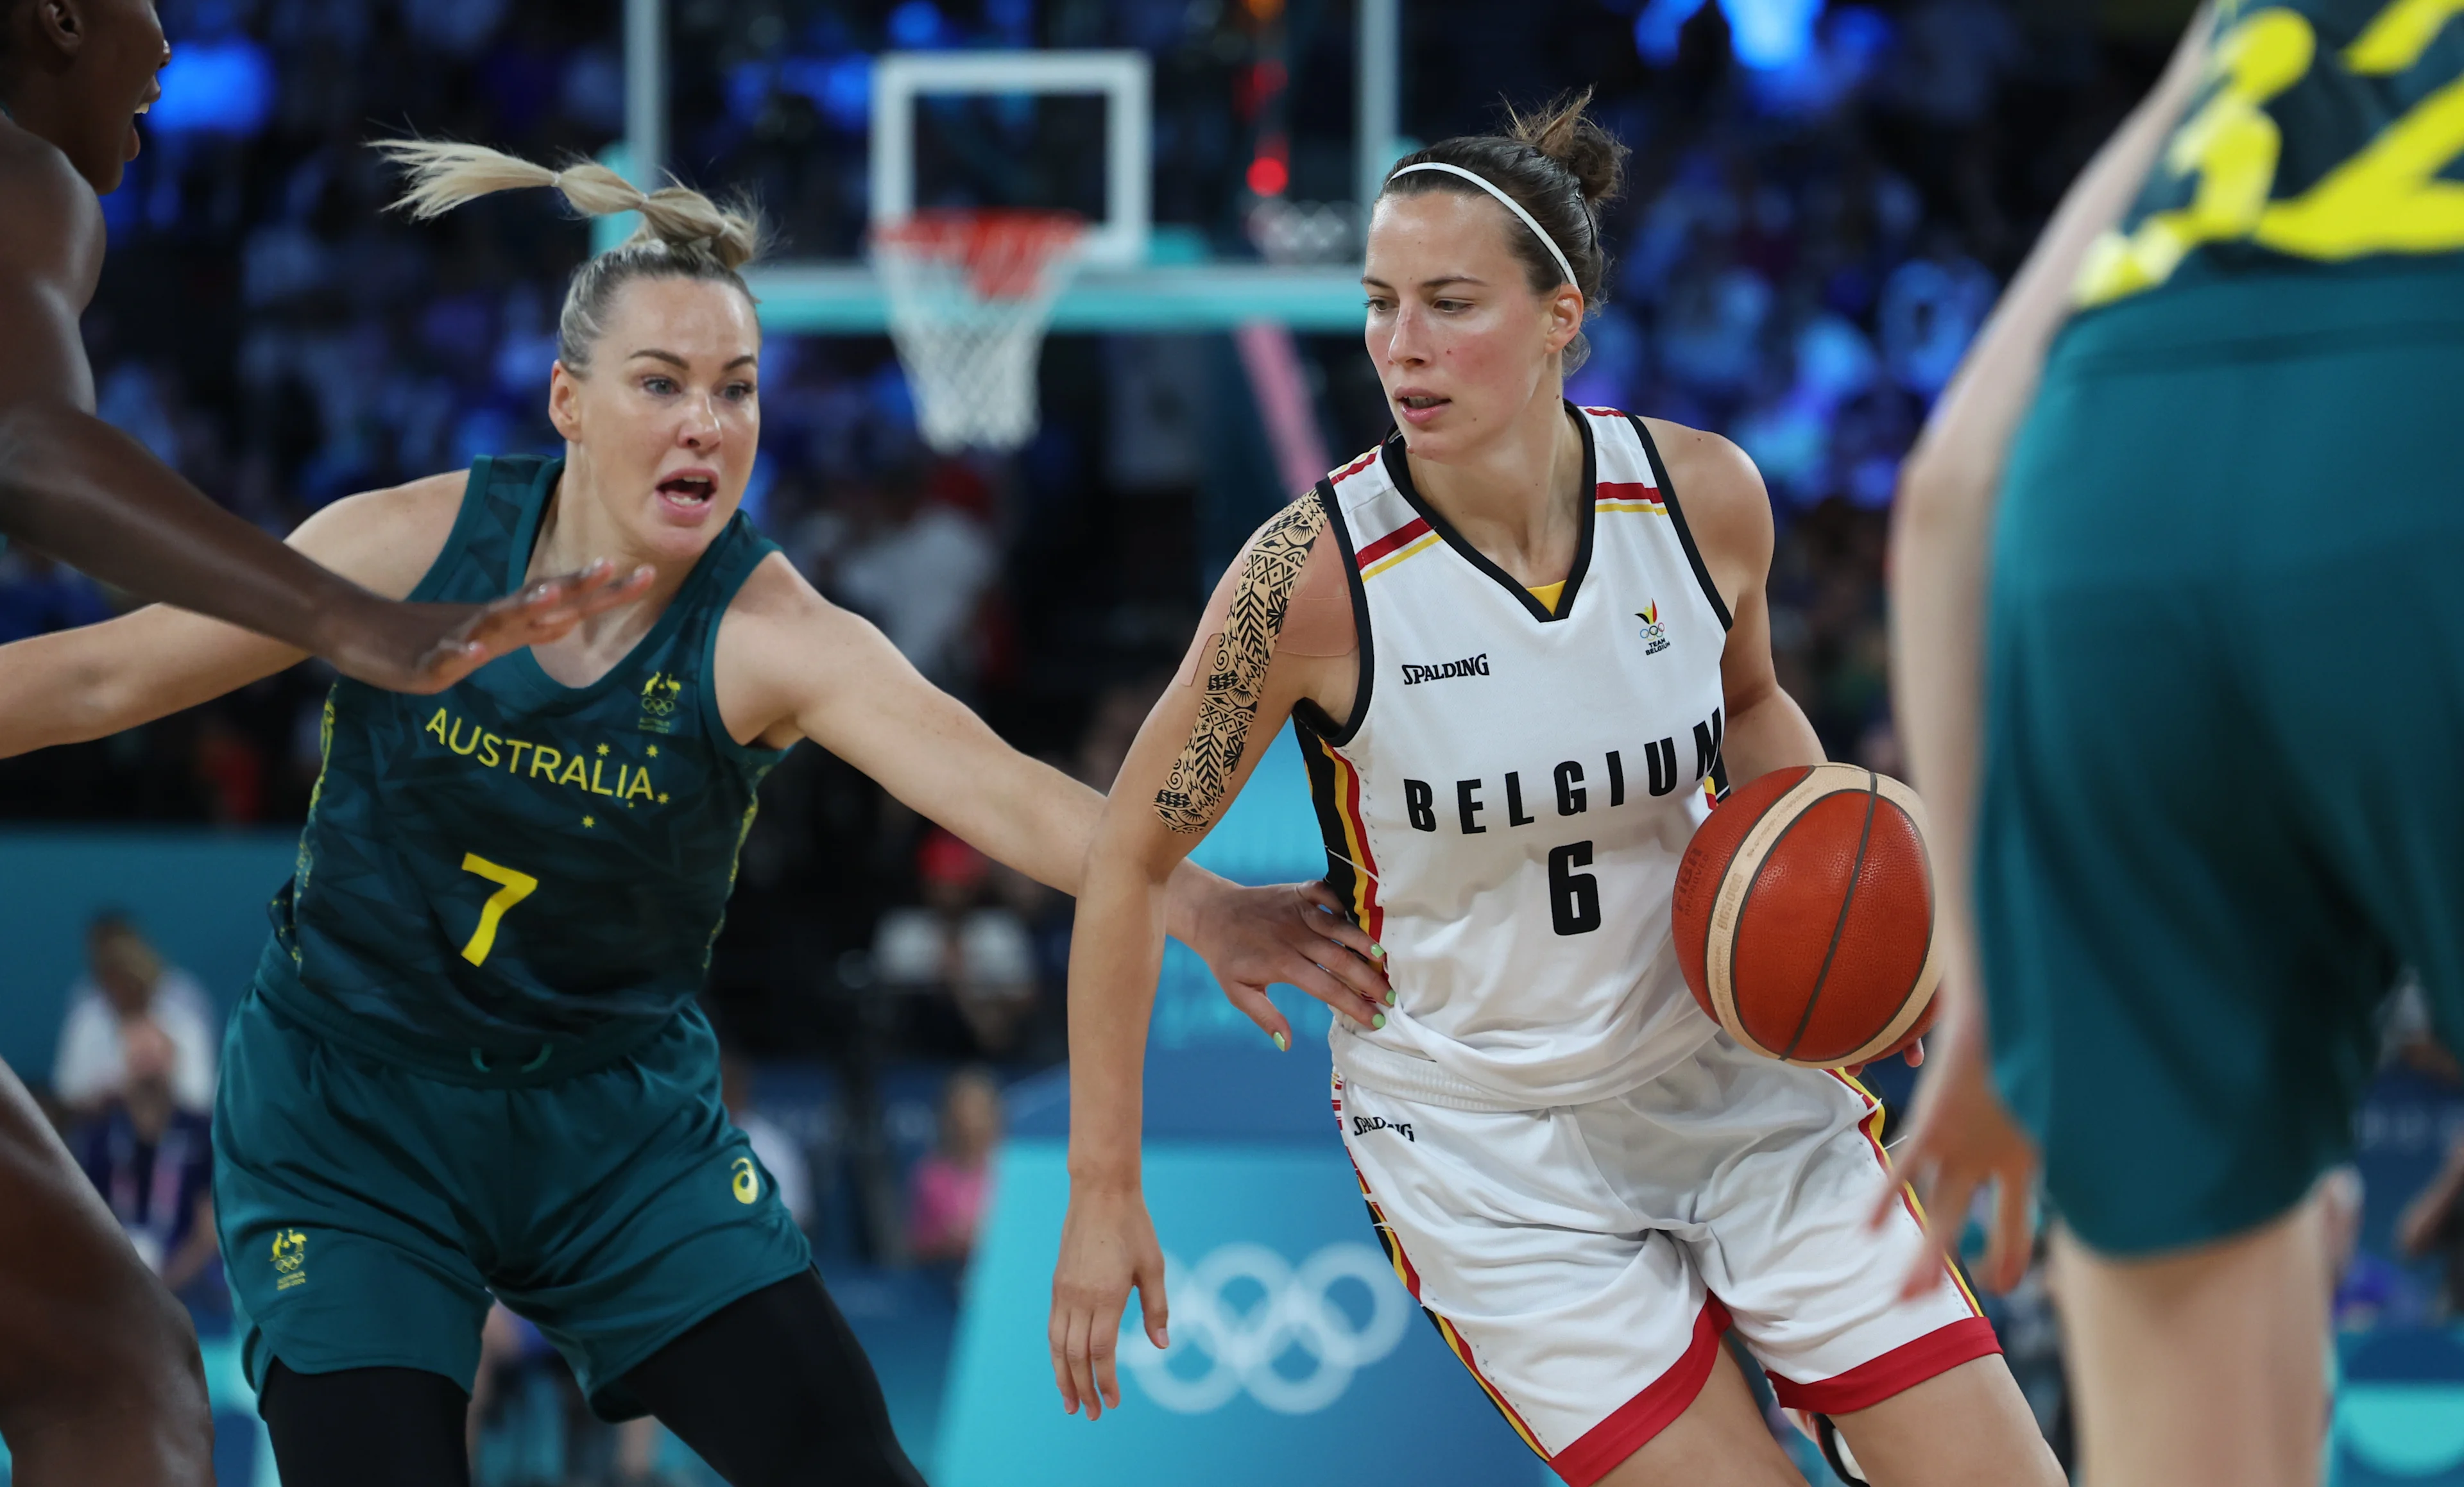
(1235,670)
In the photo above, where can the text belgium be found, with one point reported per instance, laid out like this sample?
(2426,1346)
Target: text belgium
(1570,783)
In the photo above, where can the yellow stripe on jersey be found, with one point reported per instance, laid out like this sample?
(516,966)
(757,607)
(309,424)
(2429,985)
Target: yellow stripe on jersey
(1401,555)
(1872,1125)
(1548,594)
(1362,886)
(1653,508)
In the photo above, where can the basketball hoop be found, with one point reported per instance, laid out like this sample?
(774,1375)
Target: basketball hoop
(970,294)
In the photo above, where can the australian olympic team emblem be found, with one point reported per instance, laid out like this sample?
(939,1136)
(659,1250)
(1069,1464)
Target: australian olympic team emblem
(1655,639)
(1291,1339)
(659,697)
(290,1254)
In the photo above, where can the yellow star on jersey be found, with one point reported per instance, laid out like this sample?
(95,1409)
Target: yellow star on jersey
(602,751)
(663,797)
(590,820)
(654,751)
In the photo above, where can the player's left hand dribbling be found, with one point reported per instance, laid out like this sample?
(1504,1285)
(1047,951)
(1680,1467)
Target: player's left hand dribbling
(1961,1139)
(1108,1245)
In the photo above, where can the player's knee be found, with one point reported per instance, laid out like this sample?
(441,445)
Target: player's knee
(136,1346)
(117,1393)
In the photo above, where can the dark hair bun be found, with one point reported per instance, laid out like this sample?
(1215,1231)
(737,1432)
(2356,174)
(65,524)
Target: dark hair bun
(1565,134)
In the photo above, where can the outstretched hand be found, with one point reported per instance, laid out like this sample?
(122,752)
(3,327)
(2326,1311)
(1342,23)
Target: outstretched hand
(425,648)
(1961,1139)
(1295,933)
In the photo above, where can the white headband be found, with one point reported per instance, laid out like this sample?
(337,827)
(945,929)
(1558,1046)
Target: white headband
(1511,205)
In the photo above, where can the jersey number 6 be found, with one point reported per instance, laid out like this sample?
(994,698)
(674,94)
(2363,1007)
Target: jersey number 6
(517,886)
(1573,897)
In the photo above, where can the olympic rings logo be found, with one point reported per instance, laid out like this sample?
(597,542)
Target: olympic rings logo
(1262,1327)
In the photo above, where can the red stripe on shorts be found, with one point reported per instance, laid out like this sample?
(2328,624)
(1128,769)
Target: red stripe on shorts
(1903,1367)
(1646,1414)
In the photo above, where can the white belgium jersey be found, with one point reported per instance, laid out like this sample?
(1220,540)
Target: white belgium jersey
(1507,807)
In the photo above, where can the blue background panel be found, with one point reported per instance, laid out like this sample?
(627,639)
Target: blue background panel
(1297,1356)
(199,896)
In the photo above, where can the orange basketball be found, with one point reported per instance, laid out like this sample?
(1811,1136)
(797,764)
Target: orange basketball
(1804,916)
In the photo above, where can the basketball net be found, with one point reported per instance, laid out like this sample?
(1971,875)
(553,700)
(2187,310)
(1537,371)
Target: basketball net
(970,294)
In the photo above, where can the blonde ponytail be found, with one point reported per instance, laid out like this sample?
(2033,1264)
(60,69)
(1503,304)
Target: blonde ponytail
(684,234)
(443,175)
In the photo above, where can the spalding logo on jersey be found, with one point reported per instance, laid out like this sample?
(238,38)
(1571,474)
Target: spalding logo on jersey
(1414,674)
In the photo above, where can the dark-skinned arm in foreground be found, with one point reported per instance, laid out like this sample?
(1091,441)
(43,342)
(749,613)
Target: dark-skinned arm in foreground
(82,491)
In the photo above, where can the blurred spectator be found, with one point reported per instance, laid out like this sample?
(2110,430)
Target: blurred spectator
(977,954)
(38,596)
(152,1161)
(125,981)
(1931,308)
(2366,1290)
(921,569)
(2432,1224)
(773,1148)
(514,1353)
(1120,712)
(948,1191)
(2407,1037)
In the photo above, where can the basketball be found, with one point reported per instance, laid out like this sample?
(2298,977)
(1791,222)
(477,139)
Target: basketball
(1805,916)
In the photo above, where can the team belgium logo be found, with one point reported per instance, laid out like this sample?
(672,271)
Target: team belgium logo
(290,1258)
(659,697)
(1655,639)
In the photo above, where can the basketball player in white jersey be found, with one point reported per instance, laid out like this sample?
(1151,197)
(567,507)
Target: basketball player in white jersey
(1519,667)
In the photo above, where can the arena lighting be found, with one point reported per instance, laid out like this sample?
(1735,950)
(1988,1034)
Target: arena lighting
(1765,34)
(1268,176)
(223,86)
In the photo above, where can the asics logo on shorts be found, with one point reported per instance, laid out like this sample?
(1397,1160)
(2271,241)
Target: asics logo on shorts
(1363,1125)
(1245,1319)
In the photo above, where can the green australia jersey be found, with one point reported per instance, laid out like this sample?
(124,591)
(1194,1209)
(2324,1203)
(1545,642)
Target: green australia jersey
(2326,140)
(517,877)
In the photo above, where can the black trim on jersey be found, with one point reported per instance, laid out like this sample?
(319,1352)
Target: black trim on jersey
(1398,470)
(1684,533)
(1342,874)
(533,687)
(466,516)
(1305,710)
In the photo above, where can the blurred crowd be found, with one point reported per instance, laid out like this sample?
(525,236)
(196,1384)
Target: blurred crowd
(132,1090)
(1807,246)
(1805,250)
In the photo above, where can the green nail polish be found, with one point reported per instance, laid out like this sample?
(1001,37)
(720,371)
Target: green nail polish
(1390,996)
(1377,1022)
(1282,1044)
(1377,950)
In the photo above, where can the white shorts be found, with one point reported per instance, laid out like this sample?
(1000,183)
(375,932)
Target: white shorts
(1583,1262)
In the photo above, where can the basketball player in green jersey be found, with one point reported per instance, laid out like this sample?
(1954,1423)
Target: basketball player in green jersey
(472,1061)
(2192,691)
(99,1382)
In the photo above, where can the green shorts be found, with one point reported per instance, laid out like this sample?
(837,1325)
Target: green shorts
(2223,794)
(368,1211)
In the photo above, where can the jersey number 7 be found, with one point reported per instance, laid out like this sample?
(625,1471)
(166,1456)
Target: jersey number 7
(517,886)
